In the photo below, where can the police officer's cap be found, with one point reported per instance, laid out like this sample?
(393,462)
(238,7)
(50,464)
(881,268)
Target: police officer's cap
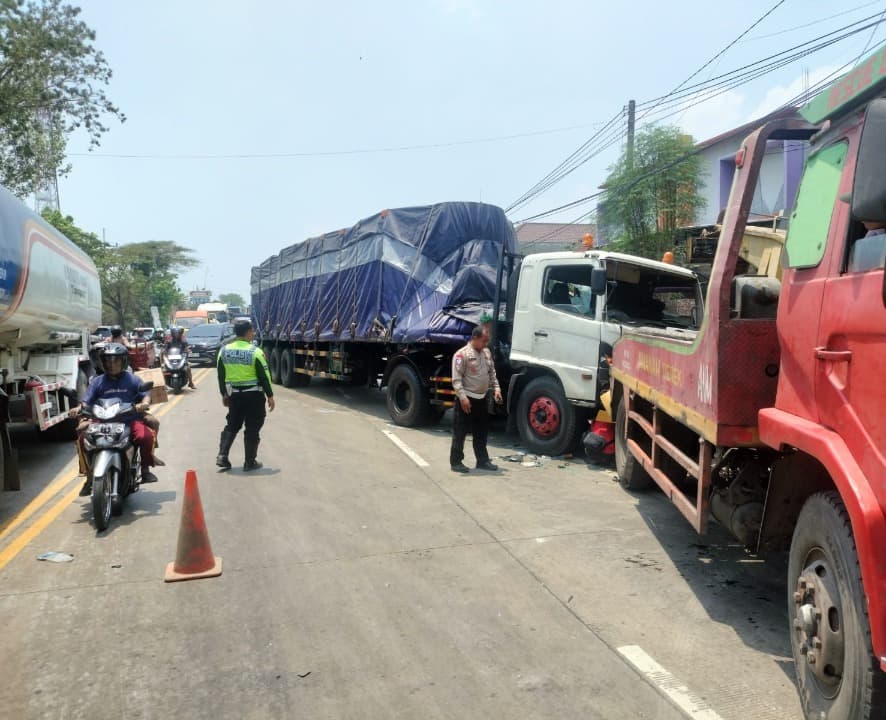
(241,327)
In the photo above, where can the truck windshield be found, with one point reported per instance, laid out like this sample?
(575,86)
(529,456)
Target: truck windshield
(189,322)
(653,298)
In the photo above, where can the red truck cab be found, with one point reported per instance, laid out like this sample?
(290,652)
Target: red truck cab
(771,417)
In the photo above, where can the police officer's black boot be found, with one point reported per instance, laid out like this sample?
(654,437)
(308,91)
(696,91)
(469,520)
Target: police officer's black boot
(224,447)
(251,447)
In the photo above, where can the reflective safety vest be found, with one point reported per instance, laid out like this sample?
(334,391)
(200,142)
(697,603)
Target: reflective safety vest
(239,359)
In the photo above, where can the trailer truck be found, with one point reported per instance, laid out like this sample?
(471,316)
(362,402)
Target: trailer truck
(388,301)
(769,417)
(49,298)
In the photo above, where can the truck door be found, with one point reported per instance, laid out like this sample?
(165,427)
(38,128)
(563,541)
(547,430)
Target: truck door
(850,353)
(566,334)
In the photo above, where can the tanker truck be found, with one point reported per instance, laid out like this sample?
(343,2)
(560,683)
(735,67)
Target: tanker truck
(388,302)
(769,418)
(49,298)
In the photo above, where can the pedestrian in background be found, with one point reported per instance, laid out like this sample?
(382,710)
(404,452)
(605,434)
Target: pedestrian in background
(473,376)
(244,382)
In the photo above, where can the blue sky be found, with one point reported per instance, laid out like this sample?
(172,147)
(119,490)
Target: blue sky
(212,77)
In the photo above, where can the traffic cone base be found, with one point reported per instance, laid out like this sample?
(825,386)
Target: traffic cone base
(173,576)
(193,556)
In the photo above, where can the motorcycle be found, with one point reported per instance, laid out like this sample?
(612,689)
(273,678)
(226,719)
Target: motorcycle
(115,468)
(175,369)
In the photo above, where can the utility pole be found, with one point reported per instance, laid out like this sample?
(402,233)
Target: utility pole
(629,155)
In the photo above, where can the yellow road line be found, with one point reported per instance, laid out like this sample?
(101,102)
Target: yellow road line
(17,545)
(61,480)
(49,492)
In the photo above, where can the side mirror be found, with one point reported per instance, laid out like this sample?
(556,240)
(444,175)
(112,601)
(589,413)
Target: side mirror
(869,187)
(598,280)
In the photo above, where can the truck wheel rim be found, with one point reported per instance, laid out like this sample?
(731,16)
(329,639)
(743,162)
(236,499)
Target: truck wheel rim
(818,623)
(544,416)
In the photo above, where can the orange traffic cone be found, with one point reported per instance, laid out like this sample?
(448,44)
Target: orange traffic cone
(193,558)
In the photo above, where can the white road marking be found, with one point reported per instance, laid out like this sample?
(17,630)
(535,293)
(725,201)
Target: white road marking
(408,451)
(678,692)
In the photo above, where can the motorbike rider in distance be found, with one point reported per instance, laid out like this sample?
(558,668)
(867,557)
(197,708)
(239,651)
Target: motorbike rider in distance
(118,336)
(177,340)
(118,382)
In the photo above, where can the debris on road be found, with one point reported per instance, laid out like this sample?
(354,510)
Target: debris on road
(56,557)
(525,459)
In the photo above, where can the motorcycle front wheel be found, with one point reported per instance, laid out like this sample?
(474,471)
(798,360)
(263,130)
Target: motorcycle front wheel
(101,500)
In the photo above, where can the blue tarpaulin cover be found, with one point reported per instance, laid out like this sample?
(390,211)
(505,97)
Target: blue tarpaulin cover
(420,274)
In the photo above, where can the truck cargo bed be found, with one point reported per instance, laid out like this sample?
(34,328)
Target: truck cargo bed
(421,274)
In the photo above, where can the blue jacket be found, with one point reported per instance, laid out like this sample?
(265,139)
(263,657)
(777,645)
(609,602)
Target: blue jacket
(125,386)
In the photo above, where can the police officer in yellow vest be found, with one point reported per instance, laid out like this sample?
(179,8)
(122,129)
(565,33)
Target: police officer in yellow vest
(244,381)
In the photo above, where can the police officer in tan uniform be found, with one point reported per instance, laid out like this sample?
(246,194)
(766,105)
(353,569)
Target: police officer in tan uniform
(473,375)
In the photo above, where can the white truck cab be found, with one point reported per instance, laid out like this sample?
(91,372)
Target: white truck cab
(569,310)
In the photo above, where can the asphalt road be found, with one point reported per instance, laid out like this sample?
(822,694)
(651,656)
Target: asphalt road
(363,579)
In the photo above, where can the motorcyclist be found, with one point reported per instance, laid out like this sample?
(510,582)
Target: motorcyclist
(117,336)
(118,382)
(177,340)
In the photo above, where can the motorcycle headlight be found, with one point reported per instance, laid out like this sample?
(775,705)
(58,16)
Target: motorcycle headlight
(104,413)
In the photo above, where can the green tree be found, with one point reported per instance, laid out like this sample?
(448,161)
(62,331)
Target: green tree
(51,84)
(646,201)
(133,276)
(232,300)
(89,242)
(143,274)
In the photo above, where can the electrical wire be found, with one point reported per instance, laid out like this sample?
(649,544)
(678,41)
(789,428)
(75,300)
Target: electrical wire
(613,139)
(773,62)
(721,52)
(577,158)
(811,23)
(329,153)
(870,40)
(678,101)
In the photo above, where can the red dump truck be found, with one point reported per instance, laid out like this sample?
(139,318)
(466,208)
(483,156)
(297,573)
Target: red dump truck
(770,417)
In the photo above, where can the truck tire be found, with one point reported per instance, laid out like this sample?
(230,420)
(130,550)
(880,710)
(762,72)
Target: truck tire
(407,398)
(631,475)
(274,365)
(287,376)
(545,419)
(841,678)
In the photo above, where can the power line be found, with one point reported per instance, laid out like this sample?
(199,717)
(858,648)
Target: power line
(328,153)
(569,164)
(656,171)
(771,62)
(599,148)
(676,101)
(545,183)
(810,24)
(870,39)
(722,52)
